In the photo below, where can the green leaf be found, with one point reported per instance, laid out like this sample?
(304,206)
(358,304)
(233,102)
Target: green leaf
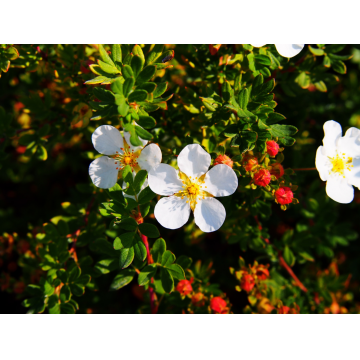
(67,308)
(103,95)
(122,279)
(127,72)
(83,280)
(149,230)
(105,56)
(289,256)
(282,130)
(149,87)
(109,69)
(138,51)
(137,64)
(146,274)
(167,258)
(262,60)
(134,138)
(158,250)
(139,180)
(48,288)
(147,122)
(137,95)
(77,290)
(106,265)
(306,256)
(117,87)
(140,249)
(41,153)
(74,273)
(129,224)
(123,107)
(160,89)
(338,66)
(243,98)
(146,195)
(154,54)
(167,280)
(128,85)
(143,133)
(124,241)
(184,261)
(316,52)
(176,271)
(146,74)
(126,257)
(274,118)
(303,80)
(226,91)
(116,193)
(116,53)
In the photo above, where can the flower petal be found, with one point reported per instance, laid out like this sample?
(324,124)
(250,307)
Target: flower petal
(338,189)
(257,45)
(209,214)
(289,50)
(150,157)
(321,163)
(333,132)
(221,180)
(164,180)
(172,212)
(350,143)
(193,160)
(103,172)
(353,176)
(132,147)
(107,140)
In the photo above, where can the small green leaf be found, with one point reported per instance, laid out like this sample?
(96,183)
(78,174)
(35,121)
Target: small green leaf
(289,256)
(127,72)
(154,54)
(109,69)
(158,250)
(140,249)
(116,193)
(139,180)
(147,122)
(124,241)
(122,279)
(137,95)
(105,56)
(149,230)
(117,87)
(146,195)
(74,273)
(129,224)
(126,257)
(143,133)
(167,258)
(137,64)
(128,85)
(116,53)
(167,280)
(176,271)
(160,89)
(184,261)
(146,74)
(146,274)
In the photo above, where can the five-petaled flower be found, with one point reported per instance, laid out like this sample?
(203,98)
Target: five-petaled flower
(285,50)
(338,162)
(284,195)
(108,140)
(262,177)
(272,147)
(218,305)
(277,170)
(247,282)
(194,188)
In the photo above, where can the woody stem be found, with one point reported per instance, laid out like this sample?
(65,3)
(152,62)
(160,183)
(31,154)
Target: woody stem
(305,169)
(289,270)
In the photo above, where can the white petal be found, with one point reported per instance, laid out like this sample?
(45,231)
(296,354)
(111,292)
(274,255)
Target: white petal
(164,180)
(338,189)
(107,140)
(193,160)
(333,132)
(209,214)
(172,212)
(289,50)
(132,147)
(150,157)
(221,180)
(350,143)
(353,176)
(257,45)
(103,172)
(321,163)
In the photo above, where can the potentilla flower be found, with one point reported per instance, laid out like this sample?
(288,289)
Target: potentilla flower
(277,170)
(284,195)
(262,177)
(108,140)
(272,147)
(223,159)
(338,162)
(184,287)
(247,282)
(286,50)
(249,162)
(194,188)
(218,305)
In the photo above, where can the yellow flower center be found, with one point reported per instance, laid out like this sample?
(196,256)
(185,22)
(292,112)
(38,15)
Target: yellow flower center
(340,163)
(128,160)
(194,189)
(129,157)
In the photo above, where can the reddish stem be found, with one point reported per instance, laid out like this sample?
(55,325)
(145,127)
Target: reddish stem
(289,270)
(304,169)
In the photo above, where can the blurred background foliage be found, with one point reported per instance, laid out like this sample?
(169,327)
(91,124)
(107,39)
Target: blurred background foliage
(262,260)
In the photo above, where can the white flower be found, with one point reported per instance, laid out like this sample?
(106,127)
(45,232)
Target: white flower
(338,162)
(285,50)
(108,140)
(193,187)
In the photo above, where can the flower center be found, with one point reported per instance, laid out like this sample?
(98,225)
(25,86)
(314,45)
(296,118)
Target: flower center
(341,163)
(193,189)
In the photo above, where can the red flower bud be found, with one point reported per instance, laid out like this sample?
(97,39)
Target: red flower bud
(283,310)
(247,282)
(277,170)
(262,272)
(272,147)
(262,177)
(249,162)
(284,195)
(223,159)
(218,305)
(198,299)
(184,287)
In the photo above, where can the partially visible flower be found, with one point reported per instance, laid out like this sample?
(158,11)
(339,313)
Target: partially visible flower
(108,140)
(262,272)
(218,305)
(264,306)
(277,170)
(249,162)
(198,299)
(184,287)
(223,159)
(272,147)
(192,188)
(285,50)
(262,177)
(338,162)
(247,282)
(284,195)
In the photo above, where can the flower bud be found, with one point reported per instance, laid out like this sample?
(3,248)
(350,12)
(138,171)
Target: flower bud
(249,162)
(277,170)
(198,299)
(218,305)
(262,272)
(284,195)
(223,159)
(247,282)
(272,147)
(262,177)
(184,287)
